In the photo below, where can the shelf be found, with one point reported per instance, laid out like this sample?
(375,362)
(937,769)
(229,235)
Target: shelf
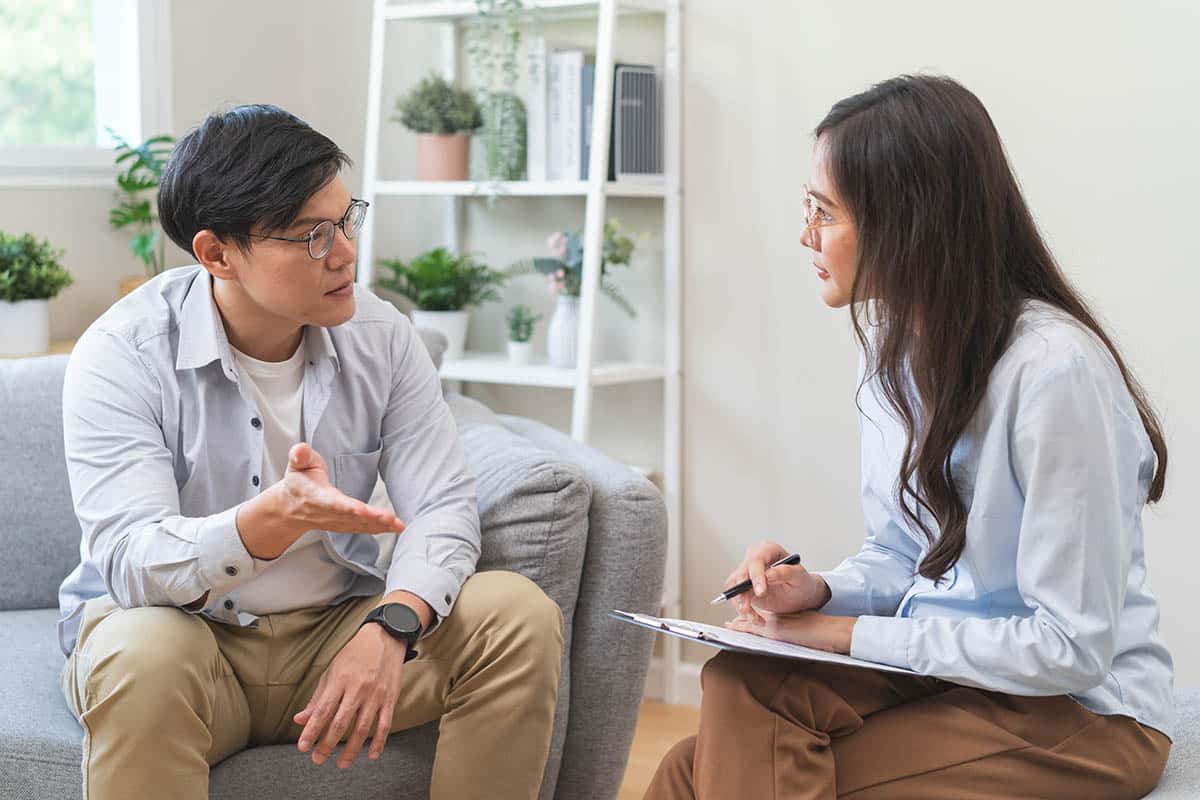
(496,368)
(515,188)
(460,10)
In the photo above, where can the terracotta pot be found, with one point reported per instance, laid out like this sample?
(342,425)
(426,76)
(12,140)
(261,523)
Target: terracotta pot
(443,157)
(131,282)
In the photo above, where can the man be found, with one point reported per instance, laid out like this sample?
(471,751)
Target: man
(223,426)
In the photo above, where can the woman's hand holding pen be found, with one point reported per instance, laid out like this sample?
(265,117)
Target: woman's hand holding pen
(780,604)
(779,590)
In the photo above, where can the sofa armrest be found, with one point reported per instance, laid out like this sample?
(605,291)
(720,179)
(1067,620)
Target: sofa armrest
(623,568)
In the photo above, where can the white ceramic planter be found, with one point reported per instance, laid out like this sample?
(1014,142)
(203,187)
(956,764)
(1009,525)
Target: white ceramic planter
(24,327)
(452,324)
(562,335)
(520,352)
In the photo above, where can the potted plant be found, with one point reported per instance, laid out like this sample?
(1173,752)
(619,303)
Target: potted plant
(143,166)
(492,46)
(564,270)
(443,286)
(443,117)
(30,274)
(520,330)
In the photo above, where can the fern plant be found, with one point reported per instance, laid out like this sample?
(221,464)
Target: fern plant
(440,281)
(142,169)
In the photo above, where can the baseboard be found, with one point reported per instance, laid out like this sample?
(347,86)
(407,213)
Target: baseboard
(687,682)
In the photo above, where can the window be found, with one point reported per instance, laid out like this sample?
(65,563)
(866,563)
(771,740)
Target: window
(72,70)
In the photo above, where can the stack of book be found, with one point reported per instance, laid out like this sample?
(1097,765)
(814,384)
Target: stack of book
(559,117)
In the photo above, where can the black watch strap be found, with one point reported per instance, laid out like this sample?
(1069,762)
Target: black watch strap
(408,630)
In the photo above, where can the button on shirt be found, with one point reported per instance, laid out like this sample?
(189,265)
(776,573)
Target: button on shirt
(161,454)
(1050,596)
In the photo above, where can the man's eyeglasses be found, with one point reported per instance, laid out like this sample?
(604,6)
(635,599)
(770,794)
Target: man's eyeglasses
(320,238)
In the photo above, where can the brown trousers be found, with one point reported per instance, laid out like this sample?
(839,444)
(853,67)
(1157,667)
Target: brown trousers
(776,729)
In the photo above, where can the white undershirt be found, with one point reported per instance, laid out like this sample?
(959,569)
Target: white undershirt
(303,576)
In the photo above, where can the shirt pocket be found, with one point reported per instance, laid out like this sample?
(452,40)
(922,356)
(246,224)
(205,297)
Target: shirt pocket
(355,474)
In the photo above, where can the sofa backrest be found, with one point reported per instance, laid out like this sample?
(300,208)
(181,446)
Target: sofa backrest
(39,534)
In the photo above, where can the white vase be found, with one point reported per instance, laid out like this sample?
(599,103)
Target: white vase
(451,324)
(520,353)
(562,335)
(24,327)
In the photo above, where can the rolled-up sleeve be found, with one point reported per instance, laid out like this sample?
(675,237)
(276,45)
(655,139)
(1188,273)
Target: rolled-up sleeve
(122,479)
(1076,458)
(425,473)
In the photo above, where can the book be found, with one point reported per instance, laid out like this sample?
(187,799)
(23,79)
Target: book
(587,85)
(725,639)
(535,110)
(566,115)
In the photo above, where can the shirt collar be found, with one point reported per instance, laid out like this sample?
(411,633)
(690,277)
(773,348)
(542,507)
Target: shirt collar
(202,338)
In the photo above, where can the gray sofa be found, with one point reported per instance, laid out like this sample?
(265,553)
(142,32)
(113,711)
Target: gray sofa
(588,530)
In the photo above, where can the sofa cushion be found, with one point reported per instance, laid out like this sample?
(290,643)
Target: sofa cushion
(39,534)
(533,511)
(42,759)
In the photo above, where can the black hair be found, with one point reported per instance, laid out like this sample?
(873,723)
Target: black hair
(251,165)
(946,243)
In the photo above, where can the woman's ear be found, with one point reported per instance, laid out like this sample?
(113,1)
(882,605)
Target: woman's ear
(213,254)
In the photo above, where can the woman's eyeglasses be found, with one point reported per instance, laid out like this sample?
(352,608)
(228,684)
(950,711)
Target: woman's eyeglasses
(814,215)
(320,238)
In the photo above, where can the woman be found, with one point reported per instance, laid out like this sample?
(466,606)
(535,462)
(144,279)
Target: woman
(1007,453)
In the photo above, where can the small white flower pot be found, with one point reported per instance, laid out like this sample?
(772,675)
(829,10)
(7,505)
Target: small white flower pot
(452,324)
(24,327)
(520,352)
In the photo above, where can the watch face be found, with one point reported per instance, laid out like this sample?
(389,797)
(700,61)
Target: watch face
(401,618)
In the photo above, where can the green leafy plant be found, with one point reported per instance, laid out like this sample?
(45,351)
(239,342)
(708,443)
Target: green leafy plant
(521,322)
(564,269)
(504,136)
(29,269)
(492,46)
(435,106)
(440,281)
(142,169)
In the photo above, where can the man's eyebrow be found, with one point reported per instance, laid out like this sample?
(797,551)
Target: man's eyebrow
(306,221)
(821,197)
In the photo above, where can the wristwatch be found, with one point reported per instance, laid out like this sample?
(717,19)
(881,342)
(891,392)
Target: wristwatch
(401,622)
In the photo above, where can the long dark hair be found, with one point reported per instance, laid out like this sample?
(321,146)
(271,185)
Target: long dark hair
(946,246)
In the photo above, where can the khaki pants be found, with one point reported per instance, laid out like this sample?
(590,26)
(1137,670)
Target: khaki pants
(774,729)
(162,695)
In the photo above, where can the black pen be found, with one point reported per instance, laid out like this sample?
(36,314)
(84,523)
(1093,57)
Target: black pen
(734,591)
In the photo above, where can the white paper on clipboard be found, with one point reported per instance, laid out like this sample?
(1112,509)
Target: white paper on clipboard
(726,639)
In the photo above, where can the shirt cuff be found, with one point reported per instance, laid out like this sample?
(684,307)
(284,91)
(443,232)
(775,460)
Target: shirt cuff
(882,640)
(224,561)
(436,586)
(847,598)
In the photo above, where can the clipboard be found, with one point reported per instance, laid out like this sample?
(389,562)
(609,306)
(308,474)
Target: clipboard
(737,641)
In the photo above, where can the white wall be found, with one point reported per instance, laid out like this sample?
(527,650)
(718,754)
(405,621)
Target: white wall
(1096,105)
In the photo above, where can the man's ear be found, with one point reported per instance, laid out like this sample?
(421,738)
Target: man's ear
(214,254)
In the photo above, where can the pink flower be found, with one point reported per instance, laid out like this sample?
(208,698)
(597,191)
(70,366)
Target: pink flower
(557,245)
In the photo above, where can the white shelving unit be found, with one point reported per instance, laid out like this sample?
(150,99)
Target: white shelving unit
(494,368)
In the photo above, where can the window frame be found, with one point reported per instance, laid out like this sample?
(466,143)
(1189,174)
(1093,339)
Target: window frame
(133,49)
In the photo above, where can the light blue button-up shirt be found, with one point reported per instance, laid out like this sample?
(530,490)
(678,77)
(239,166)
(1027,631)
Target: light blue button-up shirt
(161,452)
(1051,595)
